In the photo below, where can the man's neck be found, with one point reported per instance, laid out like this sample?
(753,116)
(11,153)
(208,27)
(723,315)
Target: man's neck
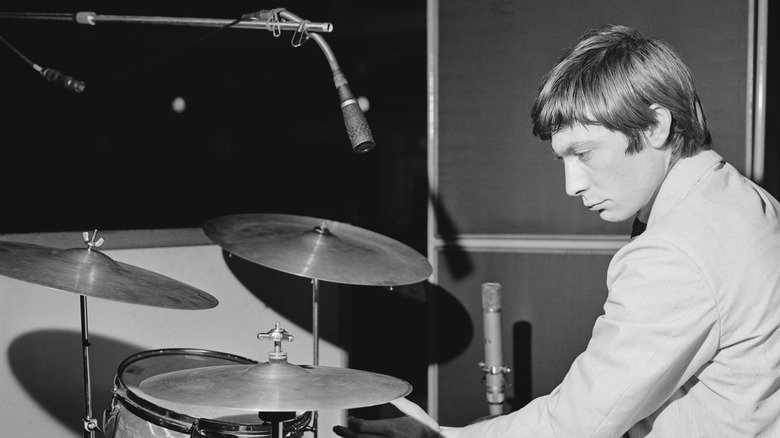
(644,213)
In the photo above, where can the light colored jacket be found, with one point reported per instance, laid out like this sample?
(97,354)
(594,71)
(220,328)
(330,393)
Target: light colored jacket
(689,343)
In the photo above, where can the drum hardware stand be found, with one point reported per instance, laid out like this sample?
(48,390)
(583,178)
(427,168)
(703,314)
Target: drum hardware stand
(315,332)
(277,334)
(281,334)
(277,419)
(89,423)
(315,323)
(315,305)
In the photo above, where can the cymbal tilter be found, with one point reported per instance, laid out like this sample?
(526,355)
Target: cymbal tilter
(277,334)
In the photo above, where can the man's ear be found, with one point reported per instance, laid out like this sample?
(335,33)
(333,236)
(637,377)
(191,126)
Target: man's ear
(657,134)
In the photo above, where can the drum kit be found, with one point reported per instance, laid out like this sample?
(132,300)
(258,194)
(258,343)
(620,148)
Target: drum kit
(208,394)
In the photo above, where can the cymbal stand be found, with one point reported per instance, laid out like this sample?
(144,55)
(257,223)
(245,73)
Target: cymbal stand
(315,321)
(277,419)
(90,424)
(315,305)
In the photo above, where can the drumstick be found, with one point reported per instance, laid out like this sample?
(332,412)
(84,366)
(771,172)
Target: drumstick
(415,411)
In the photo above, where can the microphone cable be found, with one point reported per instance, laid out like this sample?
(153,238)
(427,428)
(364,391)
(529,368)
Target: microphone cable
(180,48)
(51,75)
(72,84)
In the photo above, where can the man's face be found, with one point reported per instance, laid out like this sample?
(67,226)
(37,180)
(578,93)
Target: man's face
(615,184)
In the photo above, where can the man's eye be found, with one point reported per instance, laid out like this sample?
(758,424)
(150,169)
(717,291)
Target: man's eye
(584,155)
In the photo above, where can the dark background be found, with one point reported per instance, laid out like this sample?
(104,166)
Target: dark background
(262,130)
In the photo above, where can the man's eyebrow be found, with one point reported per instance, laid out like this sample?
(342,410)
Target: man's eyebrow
(572,147)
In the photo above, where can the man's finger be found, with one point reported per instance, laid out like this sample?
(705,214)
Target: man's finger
(345,432)
(360,428)
(369,428)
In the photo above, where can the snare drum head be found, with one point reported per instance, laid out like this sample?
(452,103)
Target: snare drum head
(142,366)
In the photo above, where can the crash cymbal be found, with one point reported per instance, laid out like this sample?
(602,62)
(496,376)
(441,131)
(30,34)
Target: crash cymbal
(276,386)
(91,273)
(319,249)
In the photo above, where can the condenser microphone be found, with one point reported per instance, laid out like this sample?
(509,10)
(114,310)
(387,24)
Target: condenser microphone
(67,82)
(354,119)
(494,356)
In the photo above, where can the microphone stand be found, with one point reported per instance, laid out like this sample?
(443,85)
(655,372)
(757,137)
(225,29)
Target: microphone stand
(493,366)
(92,18)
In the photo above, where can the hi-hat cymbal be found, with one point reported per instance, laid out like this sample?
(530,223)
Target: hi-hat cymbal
(276,387)
(91,273)
(319,249)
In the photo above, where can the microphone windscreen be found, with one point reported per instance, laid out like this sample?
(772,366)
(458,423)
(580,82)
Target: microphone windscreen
(357,127)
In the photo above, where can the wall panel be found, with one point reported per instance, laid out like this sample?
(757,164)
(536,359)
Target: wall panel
(549,305)
(496,178)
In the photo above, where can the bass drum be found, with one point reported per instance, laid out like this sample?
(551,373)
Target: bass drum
(135,414)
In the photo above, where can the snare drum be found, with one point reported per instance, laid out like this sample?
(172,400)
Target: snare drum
(135,414)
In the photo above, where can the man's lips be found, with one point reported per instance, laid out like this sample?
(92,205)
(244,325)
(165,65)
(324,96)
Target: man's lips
(593,206)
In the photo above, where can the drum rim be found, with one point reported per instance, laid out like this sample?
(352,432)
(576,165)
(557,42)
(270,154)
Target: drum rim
(171,420)
(162,416)
(211,427)
(180,351)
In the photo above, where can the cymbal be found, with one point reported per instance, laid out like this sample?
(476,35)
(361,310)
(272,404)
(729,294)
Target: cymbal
(276,386)
(91,273)
(319,249)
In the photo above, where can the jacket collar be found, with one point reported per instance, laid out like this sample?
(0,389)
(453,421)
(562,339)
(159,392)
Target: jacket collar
(682,177)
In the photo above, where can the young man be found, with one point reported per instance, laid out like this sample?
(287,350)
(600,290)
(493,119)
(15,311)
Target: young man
(689,343)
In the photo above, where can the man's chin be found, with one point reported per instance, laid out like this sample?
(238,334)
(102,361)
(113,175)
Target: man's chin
(612,216)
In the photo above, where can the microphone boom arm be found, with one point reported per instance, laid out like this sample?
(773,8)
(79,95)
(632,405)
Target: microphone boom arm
(92,18)
(354,119)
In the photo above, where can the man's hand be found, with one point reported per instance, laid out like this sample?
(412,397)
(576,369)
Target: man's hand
(403,427)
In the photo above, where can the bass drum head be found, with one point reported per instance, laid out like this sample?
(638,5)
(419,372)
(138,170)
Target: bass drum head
(135,414)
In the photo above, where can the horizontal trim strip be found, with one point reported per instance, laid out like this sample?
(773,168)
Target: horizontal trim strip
(116,239)
(581,244)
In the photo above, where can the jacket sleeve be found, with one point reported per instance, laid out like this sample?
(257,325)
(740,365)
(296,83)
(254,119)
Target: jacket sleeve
(660,325)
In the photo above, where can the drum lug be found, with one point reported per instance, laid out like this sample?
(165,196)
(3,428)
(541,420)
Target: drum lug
(90,424)
(109,418)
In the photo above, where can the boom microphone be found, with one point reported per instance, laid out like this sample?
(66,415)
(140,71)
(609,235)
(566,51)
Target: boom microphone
(354,120)
(68,82)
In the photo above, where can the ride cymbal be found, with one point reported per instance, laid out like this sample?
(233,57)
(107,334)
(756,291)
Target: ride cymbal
(89,272)
(319,249)
(276,386)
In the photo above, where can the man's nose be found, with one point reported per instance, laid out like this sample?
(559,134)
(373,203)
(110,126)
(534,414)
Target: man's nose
(576,180)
